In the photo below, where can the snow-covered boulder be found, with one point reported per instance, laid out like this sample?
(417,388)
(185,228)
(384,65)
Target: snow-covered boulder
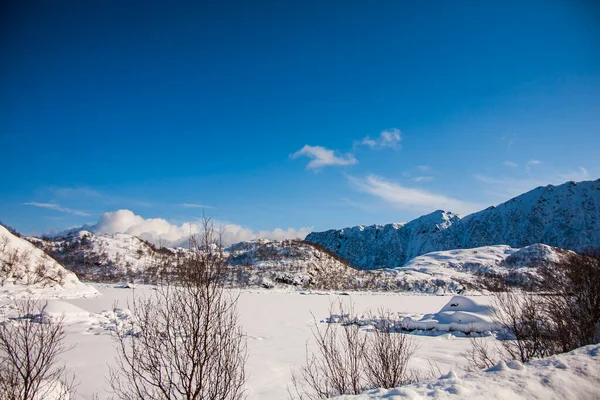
(459,314)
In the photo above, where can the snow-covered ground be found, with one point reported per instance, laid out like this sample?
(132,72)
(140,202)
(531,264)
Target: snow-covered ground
(574,375)
(278,325)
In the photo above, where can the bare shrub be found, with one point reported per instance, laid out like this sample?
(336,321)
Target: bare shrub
(563,316)
(185,341)
(522,316)
(480,355)
(387,354)
(337,366)
(348,360)
(573,301)
(30,350)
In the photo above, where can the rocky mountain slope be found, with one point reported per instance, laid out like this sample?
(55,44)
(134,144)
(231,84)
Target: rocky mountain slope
(566,216)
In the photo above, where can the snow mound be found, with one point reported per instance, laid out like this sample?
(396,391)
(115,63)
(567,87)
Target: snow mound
(25,269)
(459,314)
(573,375)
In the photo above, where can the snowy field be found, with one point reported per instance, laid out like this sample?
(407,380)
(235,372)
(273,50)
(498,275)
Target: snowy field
(278,325)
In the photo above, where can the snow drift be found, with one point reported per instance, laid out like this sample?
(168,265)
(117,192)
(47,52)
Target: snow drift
(573,375)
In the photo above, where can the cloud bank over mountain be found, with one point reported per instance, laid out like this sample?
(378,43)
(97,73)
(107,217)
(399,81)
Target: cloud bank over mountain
(161,231)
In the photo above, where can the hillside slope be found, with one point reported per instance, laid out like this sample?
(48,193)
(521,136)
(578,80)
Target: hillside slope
(25,268)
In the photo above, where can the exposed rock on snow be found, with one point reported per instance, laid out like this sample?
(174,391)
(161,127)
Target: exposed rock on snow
(573,375)
(25,269)
(566,216)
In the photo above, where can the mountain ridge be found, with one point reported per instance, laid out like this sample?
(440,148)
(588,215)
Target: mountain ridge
(566,216)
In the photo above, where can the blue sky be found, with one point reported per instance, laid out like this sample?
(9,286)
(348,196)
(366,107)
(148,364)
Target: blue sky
(311,115)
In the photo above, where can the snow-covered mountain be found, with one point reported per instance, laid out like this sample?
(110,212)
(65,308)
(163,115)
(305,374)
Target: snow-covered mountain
(300,265)
(25,268)
(566,216)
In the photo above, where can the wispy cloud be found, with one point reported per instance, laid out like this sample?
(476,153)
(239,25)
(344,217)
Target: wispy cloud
(415,174)
(56,207)
(70,192)
(422,178)
(323,157)
(507,187)
(388,138)
(194,205)
(410,198)
(530,164)
(510,164)
(580,174)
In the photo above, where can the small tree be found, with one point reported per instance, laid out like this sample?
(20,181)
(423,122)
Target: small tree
(185,341)
(30,350)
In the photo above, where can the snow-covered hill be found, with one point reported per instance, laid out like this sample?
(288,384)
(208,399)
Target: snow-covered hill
(102,257)
(265,263)
(566,216)
(25,268)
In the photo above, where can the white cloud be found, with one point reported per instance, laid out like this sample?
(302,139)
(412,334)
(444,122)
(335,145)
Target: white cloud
(194,205)
(510,164)
(322,157)
(410,198)
(424,168)
(387,138)
(56,207)
(158,229)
